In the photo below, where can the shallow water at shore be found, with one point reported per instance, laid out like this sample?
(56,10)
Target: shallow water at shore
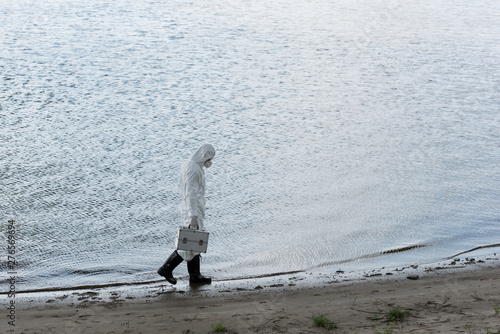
(343,131)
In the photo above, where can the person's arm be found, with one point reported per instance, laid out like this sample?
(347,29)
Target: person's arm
(192,189)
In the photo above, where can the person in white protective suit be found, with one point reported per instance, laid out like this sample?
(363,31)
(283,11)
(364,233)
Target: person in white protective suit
(192,191)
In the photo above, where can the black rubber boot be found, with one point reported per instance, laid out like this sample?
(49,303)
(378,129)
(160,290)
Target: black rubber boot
(166,270)
(194,272)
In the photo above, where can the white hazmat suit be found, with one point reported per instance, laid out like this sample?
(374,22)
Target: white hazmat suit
(192,190)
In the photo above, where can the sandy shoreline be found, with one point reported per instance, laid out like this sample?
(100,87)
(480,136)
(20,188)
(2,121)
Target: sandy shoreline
(458,297)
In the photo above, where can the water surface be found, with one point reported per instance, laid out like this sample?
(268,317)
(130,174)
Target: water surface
(344,130)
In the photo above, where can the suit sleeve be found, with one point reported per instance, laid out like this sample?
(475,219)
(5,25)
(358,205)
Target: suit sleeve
(192,190)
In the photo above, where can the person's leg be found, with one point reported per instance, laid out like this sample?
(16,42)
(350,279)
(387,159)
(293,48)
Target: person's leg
(195,277)
(168,267)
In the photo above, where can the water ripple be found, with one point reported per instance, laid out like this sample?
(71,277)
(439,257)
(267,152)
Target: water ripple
(339,136)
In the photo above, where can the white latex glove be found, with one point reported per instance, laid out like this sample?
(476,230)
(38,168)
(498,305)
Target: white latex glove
(194,223)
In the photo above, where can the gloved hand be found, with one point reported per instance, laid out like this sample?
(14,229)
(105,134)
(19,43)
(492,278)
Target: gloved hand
(194,223)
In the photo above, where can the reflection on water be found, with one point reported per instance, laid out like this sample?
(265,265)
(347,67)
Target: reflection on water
(343,130)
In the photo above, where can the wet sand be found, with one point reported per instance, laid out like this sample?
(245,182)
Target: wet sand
(460,296)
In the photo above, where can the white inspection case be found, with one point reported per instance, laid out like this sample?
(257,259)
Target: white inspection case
(191,240)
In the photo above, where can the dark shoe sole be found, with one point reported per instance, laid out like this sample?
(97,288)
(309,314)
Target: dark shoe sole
(203,282)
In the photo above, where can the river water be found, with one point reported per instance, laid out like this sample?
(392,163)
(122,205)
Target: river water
(344,129)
